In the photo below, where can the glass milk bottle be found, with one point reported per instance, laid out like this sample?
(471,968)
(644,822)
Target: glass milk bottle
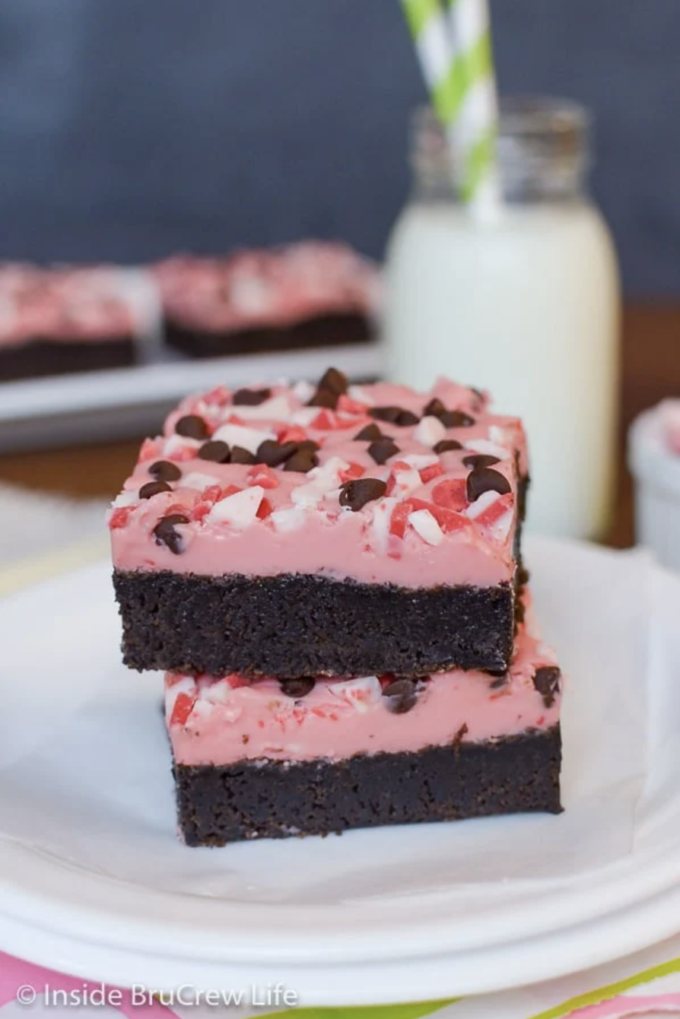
(525,305)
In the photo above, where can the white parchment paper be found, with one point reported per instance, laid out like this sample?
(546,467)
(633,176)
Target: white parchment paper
(85,764)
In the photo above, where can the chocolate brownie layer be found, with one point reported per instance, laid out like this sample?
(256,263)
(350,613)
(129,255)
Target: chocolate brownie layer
(297,625)
(322,331)
(266,799)
(47,357)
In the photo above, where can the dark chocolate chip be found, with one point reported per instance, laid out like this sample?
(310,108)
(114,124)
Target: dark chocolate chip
(274,453)
(298,687)
(481,460)
(215,450)
(406,418)
(309,444)
(334,380)
(324,398)
(250,397)
(356,494)
(165,533)
(401,695)
(152,488)
(456,419)
(369,433)
(382,449)
(302,460)
(547,682)
(444,445)
(165,470)
(395,415)
(486,479)
(239,455)
(191,426)
(435,408)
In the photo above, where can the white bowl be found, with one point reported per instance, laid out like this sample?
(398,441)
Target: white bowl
(656,470)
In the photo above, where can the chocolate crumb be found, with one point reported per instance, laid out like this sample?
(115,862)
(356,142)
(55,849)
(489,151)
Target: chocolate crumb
(245,738)
(239,455)
(369,433)
(165,470)
(355,494)
(250,397)
(382,449)
(274,453)
(191,426)
(486,479)
(499,681)
(444,445)
(401,695)
(165,533)
(547,683)
(458,738)
(152,488)
(481,460)
(298,687)
(216,451)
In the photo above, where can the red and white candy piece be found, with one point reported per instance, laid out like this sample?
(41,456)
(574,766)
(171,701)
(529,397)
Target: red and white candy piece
(180,697)
(425,525)
(429,431)
(241,435)
(493,513)
(361,693)
(238,510)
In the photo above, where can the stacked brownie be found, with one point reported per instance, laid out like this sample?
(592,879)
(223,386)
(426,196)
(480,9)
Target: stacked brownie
(307,294)
(330,576)
(55,321)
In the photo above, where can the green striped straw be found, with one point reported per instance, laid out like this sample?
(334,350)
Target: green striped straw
(453,44)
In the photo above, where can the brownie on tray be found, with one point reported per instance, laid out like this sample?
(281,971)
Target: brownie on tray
(304,295)
(323,530)
(57,321)
(271,758)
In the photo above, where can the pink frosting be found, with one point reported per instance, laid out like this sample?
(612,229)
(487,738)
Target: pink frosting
(269,287)
(220,721)
(62,305)
(261,521)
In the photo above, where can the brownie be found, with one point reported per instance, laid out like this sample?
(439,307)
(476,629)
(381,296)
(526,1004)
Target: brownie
(266,799)
(296,625)
(320,331)
(39,358)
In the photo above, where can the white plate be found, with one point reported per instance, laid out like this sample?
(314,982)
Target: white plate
(92,879)
(126,402)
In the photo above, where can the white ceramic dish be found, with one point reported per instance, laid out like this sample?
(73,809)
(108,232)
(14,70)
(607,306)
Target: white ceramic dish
(656,470)
(93,881)
(126,402)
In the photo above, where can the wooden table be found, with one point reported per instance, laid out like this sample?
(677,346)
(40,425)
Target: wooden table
(650,371)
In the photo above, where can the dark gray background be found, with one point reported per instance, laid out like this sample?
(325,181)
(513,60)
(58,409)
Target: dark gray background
(132,128)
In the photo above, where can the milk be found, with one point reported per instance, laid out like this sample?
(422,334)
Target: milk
(528,308)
